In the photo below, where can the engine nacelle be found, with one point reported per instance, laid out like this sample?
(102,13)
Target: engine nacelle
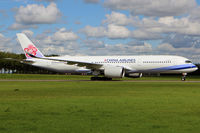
(114,72)
(134,75)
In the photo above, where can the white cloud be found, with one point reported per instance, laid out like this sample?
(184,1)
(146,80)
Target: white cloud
(182,41)
(64,35)
(153,28)
(114,27)
(145,35)
(119,26)
(90,31)
(38,14)
(142,48)
(4,39)
(125,49)
(28,32)
(70,48)
(168,48)
(112,31)
(182,25)
(93,44)
(101,48)
(47,0)
(92,1)
(153,7)
(118,19)
(17,26)
(7,44)
(194,15)
(60,37)
(32,14)
(117,32)
(60,42)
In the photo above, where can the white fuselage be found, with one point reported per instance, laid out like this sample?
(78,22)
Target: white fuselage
(134,64)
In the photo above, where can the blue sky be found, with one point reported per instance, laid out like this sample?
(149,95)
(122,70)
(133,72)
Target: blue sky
(103,27)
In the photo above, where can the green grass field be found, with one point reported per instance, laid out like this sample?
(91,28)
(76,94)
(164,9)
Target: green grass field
(80,77)
(98,107)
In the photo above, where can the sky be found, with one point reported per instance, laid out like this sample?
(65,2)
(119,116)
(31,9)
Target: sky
(103,27)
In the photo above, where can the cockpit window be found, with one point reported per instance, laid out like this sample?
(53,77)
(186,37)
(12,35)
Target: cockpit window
(188,61)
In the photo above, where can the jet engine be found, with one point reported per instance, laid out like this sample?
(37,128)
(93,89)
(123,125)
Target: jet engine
(134,75)
(114,72)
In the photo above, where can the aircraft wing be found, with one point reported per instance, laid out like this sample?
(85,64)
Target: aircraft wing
(88,65)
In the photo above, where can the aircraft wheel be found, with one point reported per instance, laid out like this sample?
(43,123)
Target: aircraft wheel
(183,78)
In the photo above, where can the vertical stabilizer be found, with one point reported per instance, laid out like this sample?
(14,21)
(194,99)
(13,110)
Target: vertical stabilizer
(28,46)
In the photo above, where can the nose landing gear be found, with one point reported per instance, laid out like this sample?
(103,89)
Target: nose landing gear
(183,78)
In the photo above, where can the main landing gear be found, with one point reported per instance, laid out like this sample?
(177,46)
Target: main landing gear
(96,78)
(100,79)
(183,78)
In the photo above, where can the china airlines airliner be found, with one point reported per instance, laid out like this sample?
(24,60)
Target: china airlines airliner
(109,66)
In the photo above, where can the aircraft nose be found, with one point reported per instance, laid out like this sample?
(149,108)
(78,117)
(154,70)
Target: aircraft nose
(195,67)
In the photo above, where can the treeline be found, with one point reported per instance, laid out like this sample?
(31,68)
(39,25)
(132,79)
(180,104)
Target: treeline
(10,63)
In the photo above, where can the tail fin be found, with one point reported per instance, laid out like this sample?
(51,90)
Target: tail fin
(28,46)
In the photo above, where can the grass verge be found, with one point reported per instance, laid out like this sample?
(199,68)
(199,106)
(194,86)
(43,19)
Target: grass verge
(99,107)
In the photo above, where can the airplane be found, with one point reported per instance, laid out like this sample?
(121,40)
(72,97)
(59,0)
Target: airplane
(108,66)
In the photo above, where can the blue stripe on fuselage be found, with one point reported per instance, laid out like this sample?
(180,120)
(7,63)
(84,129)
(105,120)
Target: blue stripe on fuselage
(177,67)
